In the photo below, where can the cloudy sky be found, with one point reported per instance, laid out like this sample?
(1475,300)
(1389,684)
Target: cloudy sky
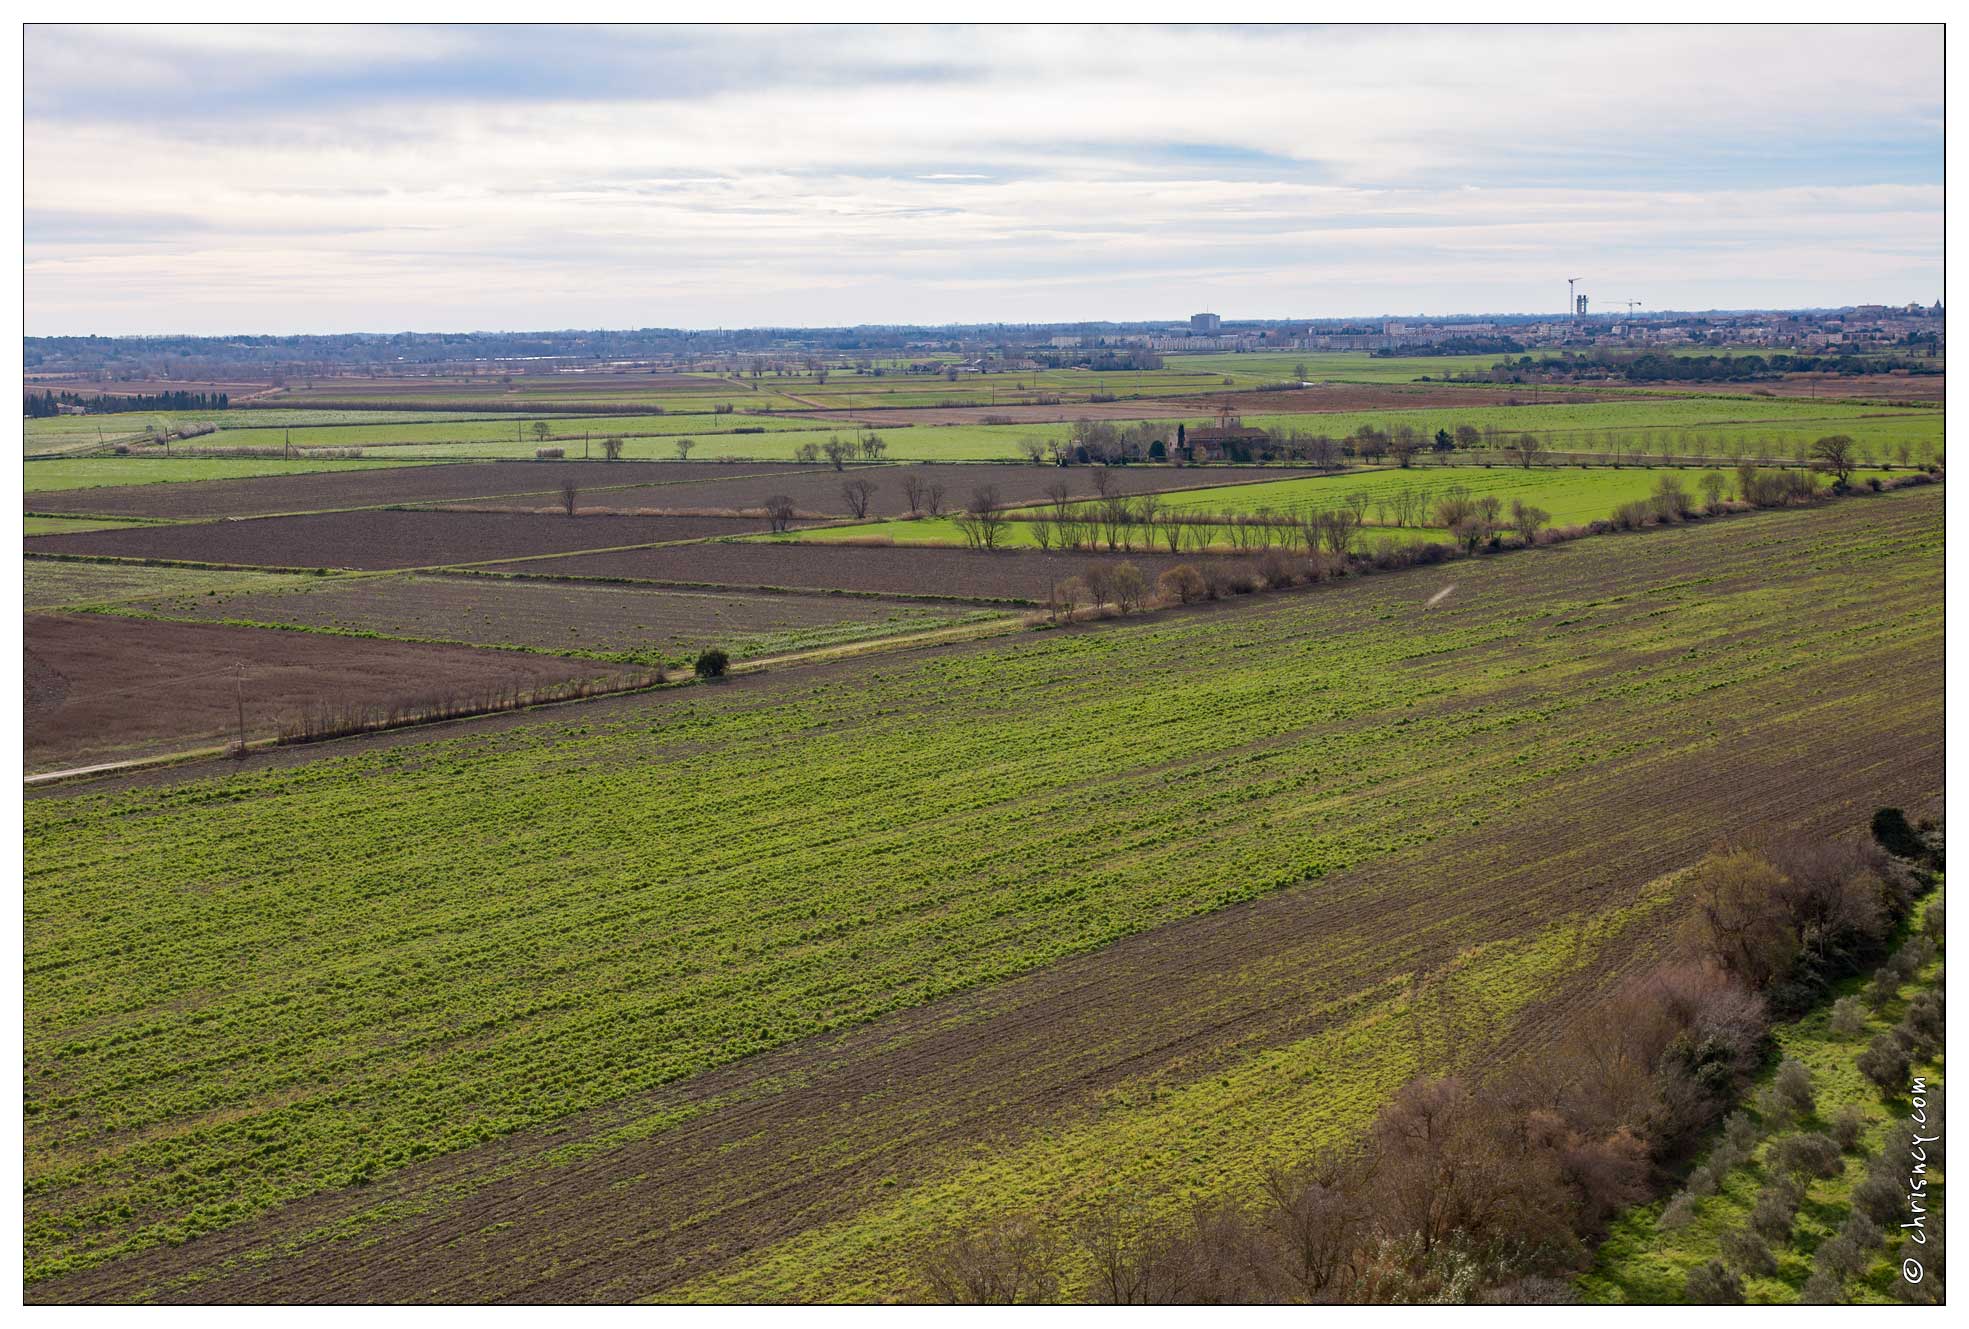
(216,180)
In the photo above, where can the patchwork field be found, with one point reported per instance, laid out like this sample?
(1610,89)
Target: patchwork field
(637,625)
(101,688)
(384,538)
(271,495)
(859,956)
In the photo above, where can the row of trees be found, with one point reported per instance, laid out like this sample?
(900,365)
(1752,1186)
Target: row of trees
(1465,1189)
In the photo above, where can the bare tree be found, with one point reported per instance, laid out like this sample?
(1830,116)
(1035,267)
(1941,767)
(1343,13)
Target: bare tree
(856,494)
(933,497)
(983,521)
(779,512)
(1034,449)
(684,446)
(612,447)
(1528,520)
(1836,455)
(569,496)
(838,451)
(1011,1263)
(1527,449)
(912,492)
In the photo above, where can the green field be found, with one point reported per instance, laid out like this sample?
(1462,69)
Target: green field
(320,987)
(1641,1262)
(71,525)
(1570,495)
(96,472)
(62,583)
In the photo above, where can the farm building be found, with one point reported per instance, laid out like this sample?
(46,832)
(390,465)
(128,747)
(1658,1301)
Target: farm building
(1228,439)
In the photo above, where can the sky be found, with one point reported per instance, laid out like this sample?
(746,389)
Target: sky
(215,180)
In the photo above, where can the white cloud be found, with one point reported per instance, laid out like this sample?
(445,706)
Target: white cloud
(477,177)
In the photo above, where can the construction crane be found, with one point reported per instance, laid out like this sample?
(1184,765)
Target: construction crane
(1632,305)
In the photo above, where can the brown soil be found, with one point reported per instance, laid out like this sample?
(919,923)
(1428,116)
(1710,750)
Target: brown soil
(381,538)
(1021,574)
(555,616)
(324,491)
(101,688)
(819,492)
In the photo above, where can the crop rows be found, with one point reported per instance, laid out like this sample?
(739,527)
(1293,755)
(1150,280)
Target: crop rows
(318,986)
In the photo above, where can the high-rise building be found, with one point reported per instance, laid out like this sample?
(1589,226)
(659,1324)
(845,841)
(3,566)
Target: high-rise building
(1579,307)
(1206,324)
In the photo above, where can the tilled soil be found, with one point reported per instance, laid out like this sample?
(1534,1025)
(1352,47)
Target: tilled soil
(101,688)
(385,538)
(324,491)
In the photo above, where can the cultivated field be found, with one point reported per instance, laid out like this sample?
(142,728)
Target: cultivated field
(385,538)
(1025,575)
(638,625)
(101,688)
(855,956)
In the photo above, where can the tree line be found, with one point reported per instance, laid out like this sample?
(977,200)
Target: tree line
(1493,1188)
(44,404)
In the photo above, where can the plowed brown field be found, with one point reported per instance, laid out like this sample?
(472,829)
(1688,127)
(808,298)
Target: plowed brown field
(385,538)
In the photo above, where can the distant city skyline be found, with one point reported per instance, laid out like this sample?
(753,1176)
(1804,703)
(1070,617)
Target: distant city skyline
(224,180)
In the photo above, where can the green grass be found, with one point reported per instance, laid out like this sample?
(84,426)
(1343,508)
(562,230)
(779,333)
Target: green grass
(339,968)
(71,525)
(1570,495)
(96,472)
(64,583)
(1641,1262)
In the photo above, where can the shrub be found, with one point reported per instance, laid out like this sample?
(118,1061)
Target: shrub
(1275,569)
(1747,1253)
(1009,1264)
(1678,1213)
(1839,1259)
(1848,1018)
(1772,1215)
(1847,1128)
(1741,1133)
(1794,1086)
(1879,1198)
(1701,1183)
(1823,1288)
(1808,1155)
(712,663)
(1891,831)
(1921,1027)
(1885,1062)
(1713,1285)
(1183,584)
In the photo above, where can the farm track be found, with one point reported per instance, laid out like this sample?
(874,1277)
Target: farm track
(783,1143)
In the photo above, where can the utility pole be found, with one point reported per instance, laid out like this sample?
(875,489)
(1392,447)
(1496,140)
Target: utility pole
(239,701)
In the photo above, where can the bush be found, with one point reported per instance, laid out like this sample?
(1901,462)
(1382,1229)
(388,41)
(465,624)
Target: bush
(712,663)
(1808,1155)
(1891,831)
(1701,1183)
(1840,1259)
(1183,584)
(1771,1217)
(1885,1063)
(1879,1198)
(1747,1253)
(1713,1285)
(1822,1289)
(1678,1213)
(1848,1018)
(1921,1028)
(1847,1128)
(1741,1133)
(1794,1086)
